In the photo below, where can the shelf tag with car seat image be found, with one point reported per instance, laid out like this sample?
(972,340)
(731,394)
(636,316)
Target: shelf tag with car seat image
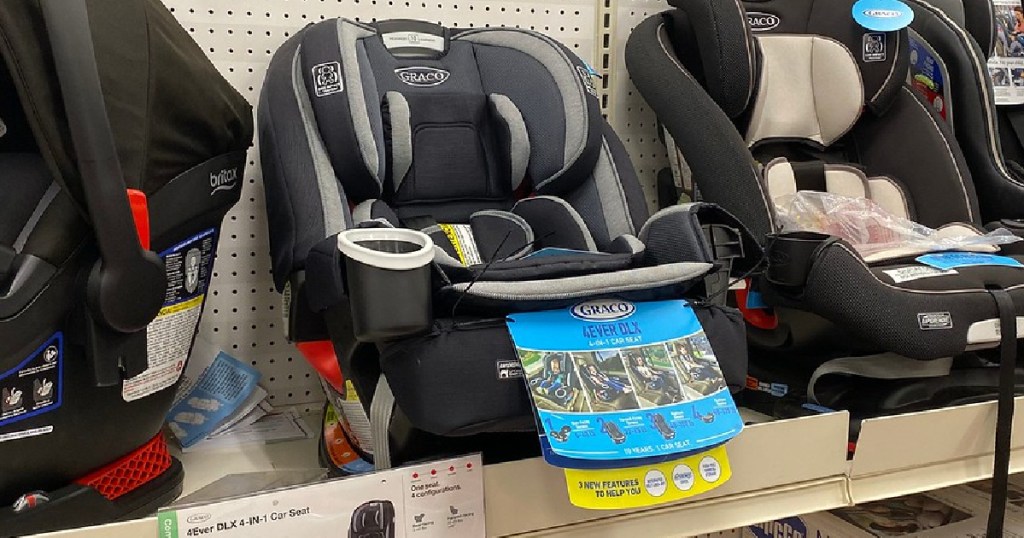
(616,382)
(433,499)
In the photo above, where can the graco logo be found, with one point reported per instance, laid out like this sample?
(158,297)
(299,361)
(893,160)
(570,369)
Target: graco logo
(930,321)
(422,77)
(603,310)
(883,13)
(223,180)
(762,22)
(327,79)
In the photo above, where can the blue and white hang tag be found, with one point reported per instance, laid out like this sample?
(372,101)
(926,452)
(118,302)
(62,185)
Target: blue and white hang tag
(882,15)
(952,260)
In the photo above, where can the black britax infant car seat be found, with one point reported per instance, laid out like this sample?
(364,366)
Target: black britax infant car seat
(491,141)
(121,149)
(815,102)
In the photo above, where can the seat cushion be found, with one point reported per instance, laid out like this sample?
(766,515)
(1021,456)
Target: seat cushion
(23,182)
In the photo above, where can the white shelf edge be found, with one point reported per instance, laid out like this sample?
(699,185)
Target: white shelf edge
(704,516)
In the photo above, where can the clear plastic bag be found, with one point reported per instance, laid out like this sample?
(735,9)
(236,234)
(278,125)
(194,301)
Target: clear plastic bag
(873,231)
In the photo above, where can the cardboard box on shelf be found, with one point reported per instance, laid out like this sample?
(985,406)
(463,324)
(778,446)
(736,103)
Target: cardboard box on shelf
(954,512)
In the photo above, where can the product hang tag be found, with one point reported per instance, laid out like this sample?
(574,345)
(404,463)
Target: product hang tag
(620,384)
(648,485)
(883,15)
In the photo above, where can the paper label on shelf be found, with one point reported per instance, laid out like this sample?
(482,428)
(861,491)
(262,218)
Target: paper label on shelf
(648,485)
(216,395)
(443,498)
(613,380)
(170,335)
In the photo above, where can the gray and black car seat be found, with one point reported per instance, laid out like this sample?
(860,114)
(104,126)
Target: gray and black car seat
(113,129)
(815,102)
(491,141)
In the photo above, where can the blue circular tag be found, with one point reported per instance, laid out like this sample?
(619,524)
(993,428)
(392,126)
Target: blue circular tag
(882,15)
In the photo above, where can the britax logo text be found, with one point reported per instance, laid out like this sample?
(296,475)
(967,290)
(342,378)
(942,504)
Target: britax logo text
(762,22)
(790,527)
(422,76)
(223,180)
(603,310)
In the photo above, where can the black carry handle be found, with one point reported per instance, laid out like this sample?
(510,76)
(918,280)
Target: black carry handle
(126,288)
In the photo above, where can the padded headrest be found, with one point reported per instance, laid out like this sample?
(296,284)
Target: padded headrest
(810,89)
(729,59)
(529,98)
(882,58)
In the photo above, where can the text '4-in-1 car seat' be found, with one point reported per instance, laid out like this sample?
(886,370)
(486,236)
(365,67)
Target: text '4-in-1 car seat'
(491,141)
(121,149)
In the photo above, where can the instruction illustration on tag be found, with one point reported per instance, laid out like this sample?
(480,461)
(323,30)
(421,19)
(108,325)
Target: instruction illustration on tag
(613,380)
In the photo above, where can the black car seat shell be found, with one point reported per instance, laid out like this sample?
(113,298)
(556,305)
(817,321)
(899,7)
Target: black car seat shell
(855,119)
(491,141)
(96,452)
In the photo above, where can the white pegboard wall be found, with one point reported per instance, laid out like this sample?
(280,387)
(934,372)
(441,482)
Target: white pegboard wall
(243,313)
(629,115)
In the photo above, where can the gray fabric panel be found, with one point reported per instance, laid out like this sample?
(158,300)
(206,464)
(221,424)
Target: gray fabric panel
(882,366)
(613,198)
(588,285)
(364,211)
(33,219)
(519,143)
(381,409)
(348,36)
(372,97)
(401,137)
(587,202)
(561,68)
(331,196)
(587,236)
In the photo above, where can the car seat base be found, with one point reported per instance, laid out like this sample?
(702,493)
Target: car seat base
(78,505)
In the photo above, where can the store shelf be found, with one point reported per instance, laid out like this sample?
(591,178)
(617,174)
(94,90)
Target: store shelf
(779,468)
(929,450)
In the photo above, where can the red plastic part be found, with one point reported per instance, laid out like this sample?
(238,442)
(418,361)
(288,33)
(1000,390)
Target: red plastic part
(130,472)
(140,213)
(320,354)
(758,317)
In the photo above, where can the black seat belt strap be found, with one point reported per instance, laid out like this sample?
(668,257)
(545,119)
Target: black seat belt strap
(1004,413)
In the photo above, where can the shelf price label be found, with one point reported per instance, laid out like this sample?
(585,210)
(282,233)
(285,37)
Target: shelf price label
(443,498)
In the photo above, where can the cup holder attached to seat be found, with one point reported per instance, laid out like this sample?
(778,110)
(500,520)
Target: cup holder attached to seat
(388,278)
(790,256)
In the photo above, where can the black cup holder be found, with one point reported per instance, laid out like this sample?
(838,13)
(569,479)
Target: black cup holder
(388,278)
(791,255)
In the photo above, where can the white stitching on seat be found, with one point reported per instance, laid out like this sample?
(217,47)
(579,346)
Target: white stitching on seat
(892,71)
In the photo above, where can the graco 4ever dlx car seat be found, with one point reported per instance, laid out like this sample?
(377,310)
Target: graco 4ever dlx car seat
(491,141)
(114,128)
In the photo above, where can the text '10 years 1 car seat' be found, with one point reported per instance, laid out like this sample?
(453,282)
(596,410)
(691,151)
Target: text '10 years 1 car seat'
(114,130)
(491,141)
(810,101)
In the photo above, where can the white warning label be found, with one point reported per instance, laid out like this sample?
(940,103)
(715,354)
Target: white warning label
(169,336)
(915,272)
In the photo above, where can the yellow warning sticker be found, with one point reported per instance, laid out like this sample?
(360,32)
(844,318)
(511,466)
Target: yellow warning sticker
(184,305)
(648,485)
(461,237)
